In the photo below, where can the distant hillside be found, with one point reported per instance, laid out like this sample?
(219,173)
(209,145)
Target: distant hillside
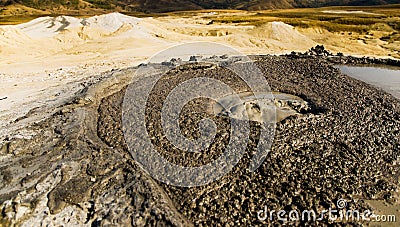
(175,5)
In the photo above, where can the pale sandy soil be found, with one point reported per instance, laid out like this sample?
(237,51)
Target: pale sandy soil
(45,61)
(347,12)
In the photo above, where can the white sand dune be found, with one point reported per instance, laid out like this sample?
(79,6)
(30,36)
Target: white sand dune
(48,26)
(51,26)
(110,22)
(65,33)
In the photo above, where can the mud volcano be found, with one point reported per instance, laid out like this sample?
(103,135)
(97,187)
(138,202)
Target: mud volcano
(261,106)
(341,141)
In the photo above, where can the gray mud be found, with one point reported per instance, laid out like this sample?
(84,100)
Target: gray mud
(75,168)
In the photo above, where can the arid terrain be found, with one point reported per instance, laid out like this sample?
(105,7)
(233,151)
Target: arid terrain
(40,56)
(64,159)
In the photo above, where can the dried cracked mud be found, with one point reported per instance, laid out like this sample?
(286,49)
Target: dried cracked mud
(74,167)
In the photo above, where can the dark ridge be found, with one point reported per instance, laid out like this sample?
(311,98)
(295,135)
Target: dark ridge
(156,6)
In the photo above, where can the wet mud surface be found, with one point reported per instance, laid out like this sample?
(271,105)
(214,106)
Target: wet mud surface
(74,168)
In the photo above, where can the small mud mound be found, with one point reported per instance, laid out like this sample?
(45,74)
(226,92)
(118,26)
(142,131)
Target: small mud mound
(280,34)
(333,150)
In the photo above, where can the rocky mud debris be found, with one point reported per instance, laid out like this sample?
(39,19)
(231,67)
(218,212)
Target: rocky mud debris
(75,168)
(319,52)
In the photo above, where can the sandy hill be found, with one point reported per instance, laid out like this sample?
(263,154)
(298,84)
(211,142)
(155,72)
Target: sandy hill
(72,40)
(65,32)
(111,32)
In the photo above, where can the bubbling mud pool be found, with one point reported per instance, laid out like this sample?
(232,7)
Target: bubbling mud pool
(261,107)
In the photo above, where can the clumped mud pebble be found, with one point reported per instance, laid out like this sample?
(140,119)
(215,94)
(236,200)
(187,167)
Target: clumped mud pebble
(320,52)
(75,167)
